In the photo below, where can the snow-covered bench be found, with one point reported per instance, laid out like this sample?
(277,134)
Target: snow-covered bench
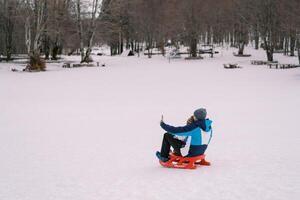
(258,62)
(287,66)
(273,64)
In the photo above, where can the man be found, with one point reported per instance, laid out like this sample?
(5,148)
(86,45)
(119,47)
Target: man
(198,128)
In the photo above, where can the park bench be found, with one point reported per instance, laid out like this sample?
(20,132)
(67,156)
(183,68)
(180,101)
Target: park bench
(194,58)
(272,64)
(69,65)
(207,51)
(258,62)
(66,65)
(155,53)
(287,66)
(241,55)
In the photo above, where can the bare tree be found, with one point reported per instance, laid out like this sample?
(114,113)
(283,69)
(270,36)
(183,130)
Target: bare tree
(40,9)
(35,24)
(52,26)
(147,15)
(59,27)
(8,10)
(91,30)
(85,55)
(110,28)
(298,45)
(192,21)
(80,27)
(241,14)
(269,25)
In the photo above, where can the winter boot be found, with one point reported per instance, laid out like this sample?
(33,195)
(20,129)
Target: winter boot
(163,159)
(204,162)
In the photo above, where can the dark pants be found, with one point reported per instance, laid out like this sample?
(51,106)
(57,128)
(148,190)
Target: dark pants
(168,142)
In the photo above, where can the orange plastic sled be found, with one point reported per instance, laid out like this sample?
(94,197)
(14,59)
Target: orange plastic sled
(184,162)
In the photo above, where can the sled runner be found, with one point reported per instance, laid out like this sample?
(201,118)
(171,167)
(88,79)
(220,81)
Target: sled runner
(184,162)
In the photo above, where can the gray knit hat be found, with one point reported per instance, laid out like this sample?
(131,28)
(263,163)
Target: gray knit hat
(200,113)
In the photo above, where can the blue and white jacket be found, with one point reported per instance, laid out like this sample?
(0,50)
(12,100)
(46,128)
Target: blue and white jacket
(200,132)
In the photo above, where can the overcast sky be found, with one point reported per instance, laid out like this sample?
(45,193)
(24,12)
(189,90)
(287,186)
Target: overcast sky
(88,3)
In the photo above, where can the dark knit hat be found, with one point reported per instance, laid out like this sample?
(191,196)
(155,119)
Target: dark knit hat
(200,113)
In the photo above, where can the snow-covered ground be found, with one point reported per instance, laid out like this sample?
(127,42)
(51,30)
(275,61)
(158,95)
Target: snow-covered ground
(92,133)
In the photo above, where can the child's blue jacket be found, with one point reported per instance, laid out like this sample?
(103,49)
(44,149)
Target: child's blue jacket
(200,132)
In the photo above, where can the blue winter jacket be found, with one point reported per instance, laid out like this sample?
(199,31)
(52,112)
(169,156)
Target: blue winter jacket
(200,132)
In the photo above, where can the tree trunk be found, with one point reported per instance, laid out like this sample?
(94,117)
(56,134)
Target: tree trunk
(55,50)
(8,28)
(87,56)
(280,45)
(150,46)
(132,46)
(47,46)
(286,46)
(121,44)
(256,42)
(269,49)
(299,54)
(162,47)
(241,48)
(270,55)
(193,47)
(113,49)
(256,37)
(298,46)
(39,24)
(231,39)
(149,52)
(292,44)
(209,35)
(269,52)
(80,29)
(36,63)
(9,43)
(28,35)
(227,38)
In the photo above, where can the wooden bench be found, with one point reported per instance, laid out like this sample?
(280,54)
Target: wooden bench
(153,54)
(194,58)
(258,62)
(273,64)
(75,65)
(287,66)
(241,55)
(66,65)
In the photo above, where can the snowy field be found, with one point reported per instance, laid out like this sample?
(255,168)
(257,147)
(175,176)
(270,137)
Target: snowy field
(92,133)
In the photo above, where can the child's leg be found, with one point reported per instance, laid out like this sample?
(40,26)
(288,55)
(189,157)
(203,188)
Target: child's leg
(169,141)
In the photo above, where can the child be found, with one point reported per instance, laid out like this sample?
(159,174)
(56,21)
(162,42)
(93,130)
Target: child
(198,128)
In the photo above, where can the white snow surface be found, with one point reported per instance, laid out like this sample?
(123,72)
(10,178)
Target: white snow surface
(92,133)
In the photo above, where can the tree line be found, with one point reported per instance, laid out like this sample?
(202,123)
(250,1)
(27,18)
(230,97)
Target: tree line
(51,27)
